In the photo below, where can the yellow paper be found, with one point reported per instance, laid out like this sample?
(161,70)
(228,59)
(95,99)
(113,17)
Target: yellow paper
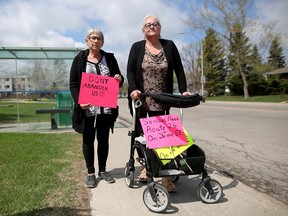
(173,151)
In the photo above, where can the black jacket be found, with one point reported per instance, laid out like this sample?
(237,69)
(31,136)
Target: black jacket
(79,66)
(134,66)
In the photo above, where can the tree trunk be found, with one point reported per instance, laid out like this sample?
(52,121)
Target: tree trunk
(245,85)
(244,79)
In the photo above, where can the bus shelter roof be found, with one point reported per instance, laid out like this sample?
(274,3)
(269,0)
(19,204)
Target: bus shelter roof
(39,52)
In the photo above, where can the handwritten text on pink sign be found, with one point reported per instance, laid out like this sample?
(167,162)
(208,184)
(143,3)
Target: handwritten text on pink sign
(98,90)
(165,130)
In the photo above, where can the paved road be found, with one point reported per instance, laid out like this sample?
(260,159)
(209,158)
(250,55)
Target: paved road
(245,140)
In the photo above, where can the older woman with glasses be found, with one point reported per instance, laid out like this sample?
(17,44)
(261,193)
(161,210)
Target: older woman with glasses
(150,68)
(101,119)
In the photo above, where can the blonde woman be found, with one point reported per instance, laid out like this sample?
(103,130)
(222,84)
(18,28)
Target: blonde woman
(150,68)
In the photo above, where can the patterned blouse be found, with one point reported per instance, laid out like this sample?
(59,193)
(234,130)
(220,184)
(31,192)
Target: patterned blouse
(154,67)
(103,70)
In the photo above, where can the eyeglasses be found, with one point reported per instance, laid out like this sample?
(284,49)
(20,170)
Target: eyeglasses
(149,25)
(94,38)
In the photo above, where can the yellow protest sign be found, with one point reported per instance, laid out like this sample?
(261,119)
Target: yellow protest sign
(173,151)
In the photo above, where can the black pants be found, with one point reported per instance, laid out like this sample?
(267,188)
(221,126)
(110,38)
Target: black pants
(101,130)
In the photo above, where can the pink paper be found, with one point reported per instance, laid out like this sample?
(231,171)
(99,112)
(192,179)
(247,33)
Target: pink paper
(162,131)
(98,90)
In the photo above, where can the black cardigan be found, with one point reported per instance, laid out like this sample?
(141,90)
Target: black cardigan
(134,66)
(79,66)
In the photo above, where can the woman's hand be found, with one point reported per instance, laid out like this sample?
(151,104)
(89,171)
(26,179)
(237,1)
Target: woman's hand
(134,94)
(118,77)
(186,93)
(85,106)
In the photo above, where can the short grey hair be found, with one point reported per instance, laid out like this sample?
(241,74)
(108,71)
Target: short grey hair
(148,16)
(95,31)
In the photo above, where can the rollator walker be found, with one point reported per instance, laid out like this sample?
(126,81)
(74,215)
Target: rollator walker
(190,162)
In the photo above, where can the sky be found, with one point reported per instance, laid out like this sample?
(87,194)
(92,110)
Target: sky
(64,23)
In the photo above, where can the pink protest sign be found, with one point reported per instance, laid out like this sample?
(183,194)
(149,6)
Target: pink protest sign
(98,90)
(162,131)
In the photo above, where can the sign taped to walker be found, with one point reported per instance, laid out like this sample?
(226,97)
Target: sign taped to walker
(174,151)
(98,90)
(162,131)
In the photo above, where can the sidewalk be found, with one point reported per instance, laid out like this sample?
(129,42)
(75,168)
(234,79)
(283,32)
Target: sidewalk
(40,127)
(118,199)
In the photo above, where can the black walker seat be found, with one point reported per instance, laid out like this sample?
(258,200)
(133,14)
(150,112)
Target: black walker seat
(178,101)
(191,163)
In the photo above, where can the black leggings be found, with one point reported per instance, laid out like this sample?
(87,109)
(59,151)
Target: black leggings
(102,130)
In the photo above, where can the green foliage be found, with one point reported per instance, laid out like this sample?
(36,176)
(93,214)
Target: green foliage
(276,57)
(257,84)
(214,64)
(256,58)
(32,169)
(256,62)
(235,85)
(240,54)
(276,86)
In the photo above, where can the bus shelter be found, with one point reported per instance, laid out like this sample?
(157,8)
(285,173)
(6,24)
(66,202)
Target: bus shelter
(36,53)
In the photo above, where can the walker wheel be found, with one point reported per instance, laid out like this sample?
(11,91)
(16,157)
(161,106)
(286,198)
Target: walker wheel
(162,202)
(215,193)
(129,176)
(174,178)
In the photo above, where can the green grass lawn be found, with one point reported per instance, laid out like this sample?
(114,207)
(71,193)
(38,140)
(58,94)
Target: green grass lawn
(266,98)
(40,174)
(27,111)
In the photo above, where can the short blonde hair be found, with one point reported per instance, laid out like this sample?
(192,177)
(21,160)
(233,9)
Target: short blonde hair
(148,16)
(95,31)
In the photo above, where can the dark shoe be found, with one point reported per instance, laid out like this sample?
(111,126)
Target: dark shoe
(106,176)
(90,181)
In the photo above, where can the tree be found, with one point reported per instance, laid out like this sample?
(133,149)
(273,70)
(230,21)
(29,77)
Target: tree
(214,63)
(228,18)
(47,76)
(256,58)
(258,67)
(190,57)
(276,57)
(38,76)
(60,74)
(257,83)
(240,59)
